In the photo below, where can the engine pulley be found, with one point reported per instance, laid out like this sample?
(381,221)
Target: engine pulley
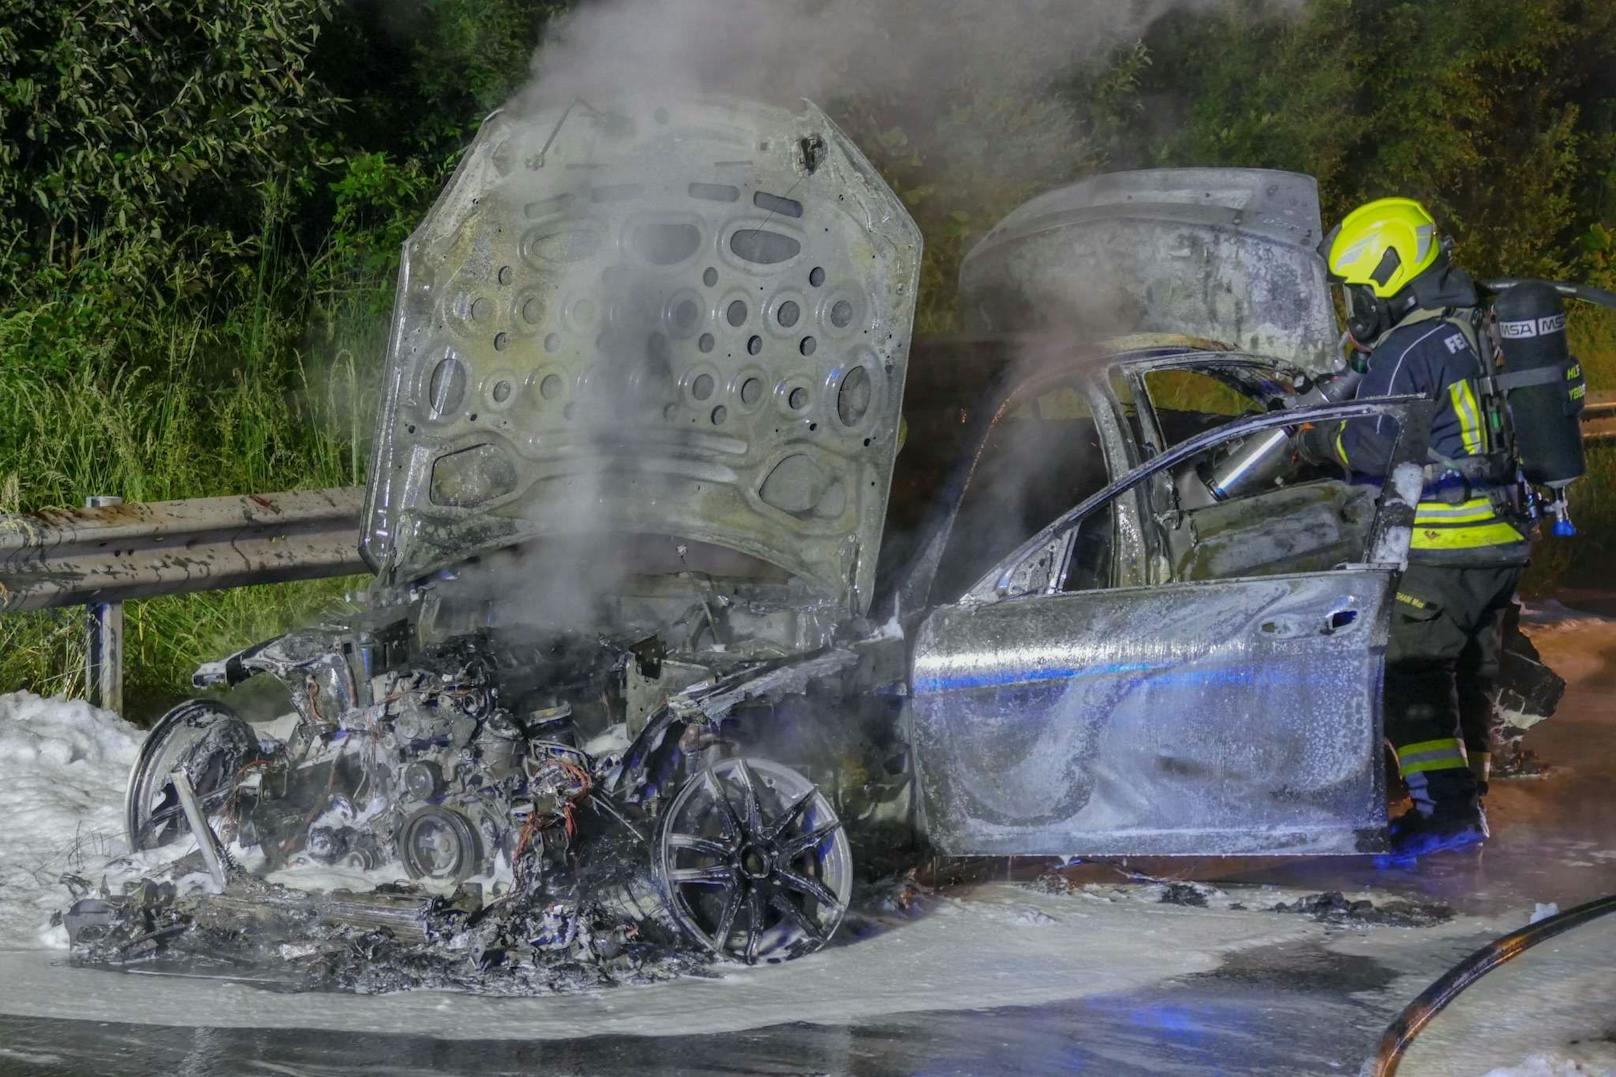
(438,843)
(422,779)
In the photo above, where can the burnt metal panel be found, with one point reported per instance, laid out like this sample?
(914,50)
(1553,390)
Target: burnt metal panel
(63,557)
(650,317)
(1305,528)
(1238,716)
(1204,256)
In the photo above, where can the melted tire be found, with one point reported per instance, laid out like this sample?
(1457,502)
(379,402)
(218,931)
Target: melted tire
(197,726)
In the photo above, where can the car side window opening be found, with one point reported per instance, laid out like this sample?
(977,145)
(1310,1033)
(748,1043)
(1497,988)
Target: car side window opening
(1312,527)
(1041,458)
(1093,545)
(1190,402)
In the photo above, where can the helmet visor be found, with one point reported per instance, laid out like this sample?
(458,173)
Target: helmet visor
(1367,315)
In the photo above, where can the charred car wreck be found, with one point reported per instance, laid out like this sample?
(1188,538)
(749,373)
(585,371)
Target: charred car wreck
(630,673)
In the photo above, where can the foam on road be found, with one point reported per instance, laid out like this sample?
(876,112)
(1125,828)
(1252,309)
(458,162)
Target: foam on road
(63,765)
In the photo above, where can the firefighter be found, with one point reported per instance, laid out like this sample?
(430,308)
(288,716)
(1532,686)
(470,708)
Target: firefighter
(1414,315)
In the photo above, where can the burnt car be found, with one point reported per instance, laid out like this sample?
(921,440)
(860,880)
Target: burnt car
(629,481)
(628,497)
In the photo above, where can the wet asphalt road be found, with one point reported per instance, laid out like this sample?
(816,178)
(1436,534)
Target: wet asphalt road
(1201,1024)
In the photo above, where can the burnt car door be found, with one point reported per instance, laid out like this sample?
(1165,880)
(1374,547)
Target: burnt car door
(1053,713)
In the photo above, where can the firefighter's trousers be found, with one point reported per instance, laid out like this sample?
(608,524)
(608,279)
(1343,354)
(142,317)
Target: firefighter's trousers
(1441,663)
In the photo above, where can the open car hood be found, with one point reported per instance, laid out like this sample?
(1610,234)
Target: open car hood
(1198,257)
(635,321)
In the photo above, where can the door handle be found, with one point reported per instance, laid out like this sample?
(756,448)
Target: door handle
(1291,628)
(1340,619)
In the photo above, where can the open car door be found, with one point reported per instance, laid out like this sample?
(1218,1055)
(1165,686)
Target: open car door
(1054,714)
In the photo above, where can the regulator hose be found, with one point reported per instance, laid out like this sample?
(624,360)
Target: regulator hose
(1416,1015)
(1585,292)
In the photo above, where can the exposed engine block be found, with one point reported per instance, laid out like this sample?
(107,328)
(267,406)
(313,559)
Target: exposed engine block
(434,773)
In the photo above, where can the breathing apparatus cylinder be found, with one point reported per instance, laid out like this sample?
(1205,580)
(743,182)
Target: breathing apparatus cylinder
(1263,457)
(1544,390)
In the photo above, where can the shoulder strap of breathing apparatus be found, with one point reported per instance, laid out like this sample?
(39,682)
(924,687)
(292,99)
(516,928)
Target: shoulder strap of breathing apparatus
(1493,470)
(1494,466)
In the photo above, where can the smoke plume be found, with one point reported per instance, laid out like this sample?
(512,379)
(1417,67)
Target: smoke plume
(971,102)
(779,50)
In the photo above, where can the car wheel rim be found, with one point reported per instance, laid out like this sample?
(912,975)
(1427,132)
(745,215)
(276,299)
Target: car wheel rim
(754,861)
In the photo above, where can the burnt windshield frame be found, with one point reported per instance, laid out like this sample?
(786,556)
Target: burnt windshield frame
(914,584)
(986,458)
(1270,383)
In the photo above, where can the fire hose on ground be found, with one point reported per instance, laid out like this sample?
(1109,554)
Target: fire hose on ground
(1388,1053)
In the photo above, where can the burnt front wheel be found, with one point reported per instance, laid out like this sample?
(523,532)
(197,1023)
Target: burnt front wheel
(211,742)
(754,861)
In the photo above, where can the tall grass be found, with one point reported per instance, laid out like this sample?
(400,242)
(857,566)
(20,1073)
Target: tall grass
(267,384)
(1587,559)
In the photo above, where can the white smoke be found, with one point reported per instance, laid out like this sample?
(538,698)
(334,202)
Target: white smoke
(972,95)
(972,102)
(779,50)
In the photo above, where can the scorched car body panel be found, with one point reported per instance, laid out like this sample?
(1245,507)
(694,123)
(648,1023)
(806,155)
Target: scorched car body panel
(1224,257)
(646,324)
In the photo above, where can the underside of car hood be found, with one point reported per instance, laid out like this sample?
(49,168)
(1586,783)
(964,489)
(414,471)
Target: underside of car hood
(1196,257)
(635,321)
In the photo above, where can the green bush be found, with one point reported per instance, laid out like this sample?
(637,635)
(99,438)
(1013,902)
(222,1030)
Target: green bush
(138,127)
(1496,113)
(171,404)
(201,208)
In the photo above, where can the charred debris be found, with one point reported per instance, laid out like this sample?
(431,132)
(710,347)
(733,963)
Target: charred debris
(569,809)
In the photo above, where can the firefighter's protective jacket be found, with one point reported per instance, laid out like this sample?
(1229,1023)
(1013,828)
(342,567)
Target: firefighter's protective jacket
(1458,521)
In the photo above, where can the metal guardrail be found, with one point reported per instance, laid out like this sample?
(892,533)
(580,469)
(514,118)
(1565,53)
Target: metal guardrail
(112,552)
(109,552)
(1599,418)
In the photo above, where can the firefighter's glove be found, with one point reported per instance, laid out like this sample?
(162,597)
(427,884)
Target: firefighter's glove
(1315,444)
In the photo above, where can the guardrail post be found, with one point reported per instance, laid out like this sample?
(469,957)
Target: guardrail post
(1599,418)
(103,654)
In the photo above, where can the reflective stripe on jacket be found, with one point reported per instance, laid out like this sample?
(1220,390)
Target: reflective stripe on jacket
(1447,753)
(1465,526)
